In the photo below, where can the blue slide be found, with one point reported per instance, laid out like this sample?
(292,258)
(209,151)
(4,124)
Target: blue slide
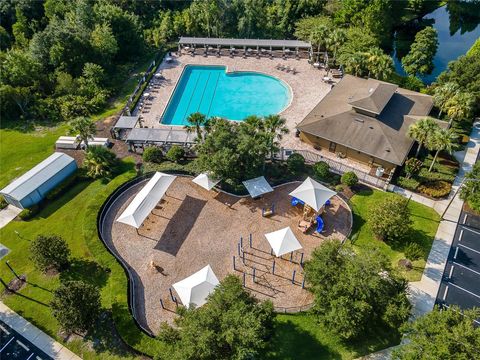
(296,201)
(320,224)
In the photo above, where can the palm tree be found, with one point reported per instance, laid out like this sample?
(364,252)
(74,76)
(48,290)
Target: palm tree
(355,63)
(379,64)
(99,162)
(196,120)
(335,39)
(318,37)
(275,128)
(442,94)
(459,106)
(84,128)
(421,131)
(442,139)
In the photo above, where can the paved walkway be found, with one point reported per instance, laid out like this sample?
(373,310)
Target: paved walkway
(8,214)
(424,292)
(35,335)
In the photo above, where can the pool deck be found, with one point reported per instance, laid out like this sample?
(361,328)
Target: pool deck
(189,231)
(306,85)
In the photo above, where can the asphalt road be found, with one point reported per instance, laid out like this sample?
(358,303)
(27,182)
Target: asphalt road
(13,346)
(461,278)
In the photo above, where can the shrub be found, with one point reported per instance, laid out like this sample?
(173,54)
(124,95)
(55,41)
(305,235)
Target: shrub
(349,178)
(339,188)
(76,305)
(470,191)
(409,184)
(99,162)
(175,153)
(413,251)
(27,214)
(390,219)
(3,203)
(426,176)
(49,252)
(412,167)
(153,154)
(436,189)
(62,187)
(296,163)
(322,170)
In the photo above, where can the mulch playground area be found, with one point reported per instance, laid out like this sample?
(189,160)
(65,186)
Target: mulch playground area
(193,227)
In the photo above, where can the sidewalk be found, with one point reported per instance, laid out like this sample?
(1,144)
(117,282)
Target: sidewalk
(35,335)
(424,292)
(8,214)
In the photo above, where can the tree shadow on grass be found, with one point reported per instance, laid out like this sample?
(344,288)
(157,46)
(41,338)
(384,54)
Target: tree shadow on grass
(291,342)
(86,271)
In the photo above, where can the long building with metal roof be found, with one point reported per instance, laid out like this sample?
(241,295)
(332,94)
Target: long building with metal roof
(263,43)
(32,187)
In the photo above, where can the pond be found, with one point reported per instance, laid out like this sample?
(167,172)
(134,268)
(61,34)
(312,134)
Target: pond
(457,24)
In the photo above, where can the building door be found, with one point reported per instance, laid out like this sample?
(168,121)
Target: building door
(332,147)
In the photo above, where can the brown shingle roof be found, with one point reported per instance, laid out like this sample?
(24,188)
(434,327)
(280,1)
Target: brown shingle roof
(383,137)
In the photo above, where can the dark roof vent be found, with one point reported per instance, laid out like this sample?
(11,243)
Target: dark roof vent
(370,127)
(359,120)
(387,150)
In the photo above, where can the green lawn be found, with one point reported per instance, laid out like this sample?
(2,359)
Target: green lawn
(299,336)
(22,150)
(425,223)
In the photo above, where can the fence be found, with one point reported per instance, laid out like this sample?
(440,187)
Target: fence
(335,166)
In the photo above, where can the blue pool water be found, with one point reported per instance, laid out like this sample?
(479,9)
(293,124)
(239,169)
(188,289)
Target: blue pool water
(234,96)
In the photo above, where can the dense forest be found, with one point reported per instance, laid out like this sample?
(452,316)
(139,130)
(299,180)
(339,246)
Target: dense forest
(60,58)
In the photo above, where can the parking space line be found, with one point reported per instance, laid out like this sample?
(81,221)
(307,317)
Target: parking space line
(23,345)
(469,248)
(471,230)
(451,272)
(456,253)
(466,267)
(30,356)
(465,218)
(4,346)
(4,330)
(467,291)
(461,235)
(445,293)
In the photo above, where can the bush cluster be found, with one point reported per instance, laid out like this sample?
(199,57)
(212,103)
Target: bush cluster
(425,176)
(322,170)
(349,178)
(50,252)
(409,184)
(3,203)
(436,189)
(413,251)
(175,153)
(62,187)
(152,154)
(27,214)
(390,219)
(295,163)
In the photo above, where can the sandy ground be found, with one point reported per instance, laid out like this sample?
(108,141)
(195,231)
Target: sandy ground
(193,227)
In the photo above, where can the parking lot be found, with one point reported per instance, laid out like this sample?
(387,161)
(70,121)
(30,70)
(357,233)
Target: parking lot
(14,346)
(461,279)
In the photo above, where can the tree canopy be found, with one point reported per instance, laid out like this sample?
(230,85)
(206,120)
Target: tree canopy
(354,294)
(419,61)
(231,325)
(470,191)
(446,334)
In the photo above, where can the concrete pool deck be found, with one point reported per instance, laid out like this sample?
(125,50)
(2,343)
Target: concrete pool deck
(194,227)
(306,85)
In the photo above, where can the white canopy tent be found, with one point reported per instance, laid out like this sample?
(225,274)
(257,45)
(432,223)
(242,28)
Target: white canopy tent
(146,200)
(206,181)
(195,288)
(313,193)
(283,241)
(257,187)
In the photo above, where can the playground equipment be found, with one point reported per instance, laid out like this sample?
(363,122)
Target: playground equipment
(320,224)
(296,201)
(269,211)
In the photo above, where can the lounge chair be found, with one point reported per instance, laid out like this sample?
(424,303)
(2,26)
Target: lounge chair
(294,71)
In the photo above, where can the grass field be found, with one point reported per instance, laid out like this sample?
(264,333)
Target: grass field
(425,224)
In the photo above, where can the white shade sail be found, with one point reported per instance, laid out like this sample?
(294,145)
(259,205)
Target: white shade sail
(283,241)
(313,194)
(146,200)
(206,181)
(257,187)
(195,288)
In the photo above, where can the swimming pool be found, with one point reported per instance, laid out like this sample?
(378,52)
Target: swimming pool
(212,91)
